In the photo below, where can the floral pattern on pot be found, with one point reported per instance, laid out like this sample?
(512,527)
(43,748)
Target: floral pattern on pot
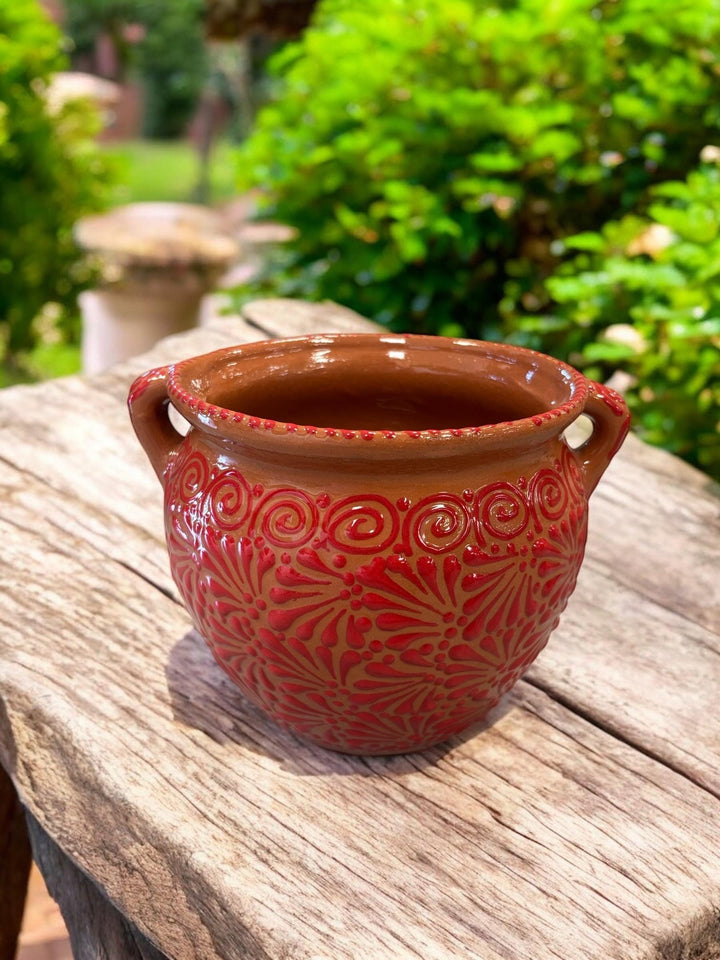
(368,625)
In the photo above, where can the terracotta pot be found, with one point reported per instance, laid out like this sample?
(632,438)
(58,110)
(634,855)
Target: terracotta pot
(375,534)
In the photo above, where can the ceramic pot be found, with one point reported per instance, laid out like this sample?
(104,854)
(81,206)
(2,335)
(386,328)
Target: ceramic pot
(375,534)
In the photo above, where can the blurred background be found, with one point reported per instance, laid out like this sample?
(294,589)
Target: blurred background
(543,173)
(547,174)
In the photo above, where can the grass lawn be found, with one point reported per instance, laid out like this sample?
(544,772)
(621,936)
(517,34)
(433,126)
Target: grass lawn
(168,170)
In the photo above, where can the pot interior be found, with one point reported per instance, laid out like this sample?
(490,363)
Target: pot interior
(401,383)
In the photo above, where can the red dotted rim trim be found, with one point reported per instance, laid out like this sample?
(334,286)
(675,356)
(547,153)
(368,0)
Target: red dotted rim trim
(194,405)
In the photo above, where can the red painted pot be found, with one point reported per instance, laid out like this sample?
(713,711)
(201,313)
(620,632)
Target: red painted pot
(375,534)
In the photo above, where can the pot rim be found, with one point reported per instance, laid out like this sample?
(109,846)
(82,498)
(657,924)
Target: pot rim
(184,384)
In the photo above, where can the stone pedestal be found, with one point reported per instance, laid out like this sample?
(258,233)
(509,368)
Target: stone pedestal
(156,262)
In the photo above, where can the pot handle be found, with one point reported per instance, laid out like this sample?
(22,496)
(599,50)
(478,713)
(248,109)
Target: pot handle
(148,402)
(611,421)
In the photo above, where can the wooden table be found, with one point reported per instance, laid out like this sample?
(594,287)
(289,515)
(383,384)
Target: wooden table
(171,818)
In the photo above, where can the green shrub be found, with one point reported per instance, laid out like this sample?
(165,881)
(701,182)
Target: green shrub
(661,274)
(50,174)
(431,154)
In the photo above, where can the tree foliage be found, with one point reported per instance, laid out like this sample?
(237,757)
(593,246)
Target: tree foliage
(430,154)
(50,174)
(171,59)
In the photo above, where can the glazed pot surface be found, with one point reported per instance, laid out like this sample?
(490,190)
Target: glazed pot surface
(375,534)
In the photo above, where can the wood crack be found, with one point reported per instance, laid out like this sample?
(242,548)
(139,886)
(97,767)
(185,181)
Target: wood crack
(614,732)
(150,582)
(259,327)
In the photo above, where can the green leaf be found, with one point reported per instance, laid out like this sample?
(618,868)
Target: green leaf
(496,162)
(586,241)
(612,352)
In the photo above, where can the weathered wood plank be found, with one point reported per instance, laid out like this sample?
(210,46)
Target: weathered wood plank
(292,318)
(650,576)
(546,836)
(665,515)
(97,930)
(542,837)
(15,860)
(644,673)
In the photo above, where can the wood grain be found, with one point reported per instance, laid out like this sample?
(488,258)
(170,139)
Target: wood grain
(15,860)
(580,823)
(292,318)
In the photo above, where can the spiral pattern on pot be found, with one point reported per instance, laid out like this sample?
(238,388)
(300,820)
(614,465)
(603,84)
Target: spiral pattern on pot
(286,518)
(437,523)
(228,500)
(502,510)
(190,476)
(549,494)
(363,524)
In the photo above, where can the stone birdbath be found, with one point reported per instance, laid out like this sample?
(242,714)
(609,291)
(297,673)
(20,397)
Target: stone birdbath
(156,262)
